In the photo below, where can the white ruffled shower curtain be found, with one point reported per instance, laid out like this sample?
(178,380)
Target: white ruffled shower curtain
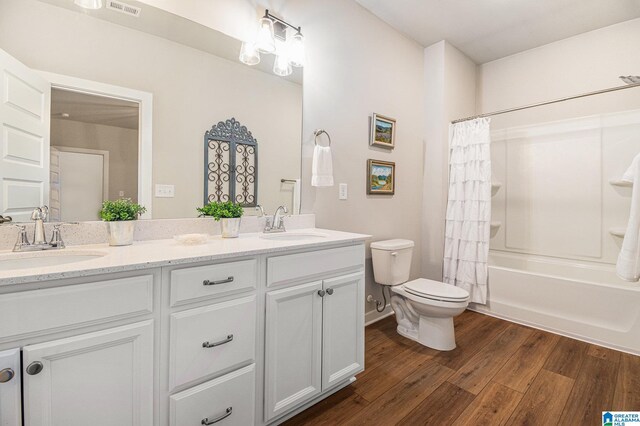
(468,219)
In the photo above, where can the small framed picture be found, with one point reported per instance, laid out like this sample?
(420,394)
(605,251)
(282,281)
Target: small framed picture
(383,131)
(381,177)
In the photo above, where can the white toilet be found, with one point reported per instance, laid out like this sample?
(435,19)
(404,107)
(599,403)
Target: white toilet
(424,308)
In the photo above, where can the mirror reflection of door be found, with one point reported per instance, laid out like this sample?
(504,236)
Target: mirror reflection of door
(94,143)
(80,185)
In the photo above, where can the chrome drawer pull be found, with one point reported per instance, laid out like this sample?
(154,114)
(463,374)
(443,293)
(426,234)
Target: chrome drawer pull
(227,280)
(226,414)
(221,342)
(329,291)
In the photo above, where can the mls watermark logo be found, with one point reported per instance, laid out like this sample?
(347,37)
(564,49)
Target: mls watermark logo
(621,418)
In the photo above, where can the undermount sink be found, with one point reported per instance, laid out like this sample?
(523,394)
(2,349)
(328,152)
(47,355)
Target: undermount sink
(293,236)
(39,259)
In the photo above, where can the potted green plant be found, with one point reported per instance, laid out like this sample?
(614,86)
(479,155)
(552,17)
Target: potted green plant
(228,213)
(121,216)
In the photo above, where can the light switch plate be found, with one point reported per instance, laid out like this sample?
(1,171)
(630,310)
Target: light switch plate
(165,191)
(343,191)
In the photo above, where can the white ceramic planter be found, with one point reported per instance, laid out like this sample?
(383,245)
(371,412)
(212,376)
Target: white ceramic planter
(121,232)
(230,227)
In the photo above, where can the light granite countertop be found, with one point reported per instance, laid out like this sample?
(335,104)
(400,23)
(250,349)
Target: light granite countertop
(158,253)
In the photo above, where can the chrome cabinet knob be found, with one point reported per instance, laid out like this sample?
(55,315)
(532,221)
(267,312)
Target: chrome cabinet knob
(329,291)
(321,293)
(6,375)
(34,368)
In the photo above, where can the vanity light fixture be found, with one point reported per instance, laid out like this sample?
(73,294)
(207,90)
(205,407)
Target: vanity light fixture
(89,4)
(272,38)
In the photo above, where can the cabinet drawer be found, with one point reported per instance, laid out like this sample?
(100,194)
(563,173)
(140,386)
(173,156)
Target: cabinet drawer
(205,282)
(293,267)
(34,312)
(210,339)
(229,398)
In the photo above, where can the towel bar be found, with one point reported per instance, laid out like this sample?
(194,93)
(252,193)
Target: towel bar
(317,133)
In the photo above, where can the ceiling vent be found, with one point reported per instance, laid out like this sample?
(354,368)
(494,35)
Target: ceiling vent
(121,7)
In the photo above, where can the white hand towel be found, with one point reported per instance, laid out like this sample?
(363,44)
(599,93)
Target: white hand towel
(322,167)
(628,266)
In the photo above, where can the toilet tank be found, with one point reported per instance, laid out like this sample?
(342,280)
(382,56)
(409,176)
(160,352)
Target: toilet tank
(391,261)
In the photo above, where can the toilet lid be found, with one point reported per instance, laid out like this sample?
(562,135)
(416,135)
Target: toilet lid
(436,290)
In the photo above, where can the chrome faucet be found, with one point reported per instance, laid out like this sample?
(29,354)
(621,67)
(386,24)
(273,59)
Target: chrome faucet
(39,216)
(276,224)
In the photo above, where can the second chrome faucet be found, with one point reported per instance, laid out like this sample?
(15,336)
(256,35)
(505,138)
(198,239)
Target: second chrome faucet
(275,223)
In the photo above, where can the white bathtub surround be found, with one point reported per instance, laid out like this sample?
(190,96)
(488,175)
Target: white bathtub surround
(628,265)
(322,167)
(468,228)
(150,229)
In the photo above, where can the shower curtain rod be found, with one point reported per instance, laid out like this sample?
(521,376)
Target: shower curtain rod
(583,95)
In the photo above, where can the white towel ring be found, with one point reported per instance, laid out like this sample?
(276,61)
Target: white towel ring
(317,133)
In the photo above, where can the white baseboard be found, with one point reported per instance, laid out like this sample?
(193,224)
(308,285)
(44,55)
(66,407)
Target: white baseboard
(374,316)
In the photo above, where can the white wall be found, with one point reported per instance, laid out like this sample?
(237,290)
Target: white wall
(450,79)
(236,18)
(359,65)
(583,63)
(192,91)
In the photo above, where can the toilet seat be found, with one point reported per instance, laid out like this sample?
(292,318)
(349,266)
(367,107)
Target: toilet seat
(435,290)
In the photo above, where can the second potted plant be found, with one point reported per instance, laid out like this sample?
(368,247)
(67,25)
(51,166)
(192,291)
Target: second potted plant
(121,216)
(228,213)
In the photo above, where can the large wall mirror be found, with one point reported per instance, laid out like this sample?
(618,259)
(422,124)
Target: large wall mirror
(101,105)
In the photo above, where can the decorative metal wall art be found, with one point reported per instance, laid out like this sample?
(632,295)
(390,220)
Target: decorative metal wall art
(230,164)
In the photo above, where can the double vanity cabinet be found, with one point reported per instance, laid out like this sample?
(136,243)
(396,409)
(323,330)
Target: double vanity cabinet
(246,338)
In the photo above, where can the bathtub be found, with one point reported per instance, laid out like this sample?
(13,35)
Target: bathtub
(583,300)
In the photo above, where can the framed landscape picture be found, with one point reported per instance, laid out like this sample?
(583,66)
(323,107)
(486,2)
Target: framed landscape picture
(381,177)
(383,131)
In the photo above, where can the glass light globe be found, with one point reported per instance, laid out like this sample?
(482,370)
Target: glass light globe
(266,42)
(297,56)
(281,66)
(249,53)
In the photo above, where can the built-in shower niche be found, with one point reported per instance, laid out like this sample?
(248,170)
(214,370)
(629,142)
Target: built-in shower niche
(561,193)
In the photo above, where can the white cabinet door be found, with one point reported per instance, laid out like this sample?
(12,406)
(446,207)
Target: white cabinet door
(292,352)
(99,379)
(10,390)
(343,329)
(25,103)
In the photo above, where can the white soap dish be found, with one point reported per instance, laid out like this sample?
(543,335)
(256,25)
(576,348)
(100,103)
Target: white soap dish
(191,239)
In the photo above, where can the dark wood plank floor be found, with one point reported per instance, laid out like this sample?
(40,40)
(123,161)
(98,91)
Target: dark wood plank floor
(500,374)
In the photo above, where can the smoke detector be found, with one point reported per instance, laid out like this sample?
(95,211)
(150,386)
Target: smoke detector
(125,8)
